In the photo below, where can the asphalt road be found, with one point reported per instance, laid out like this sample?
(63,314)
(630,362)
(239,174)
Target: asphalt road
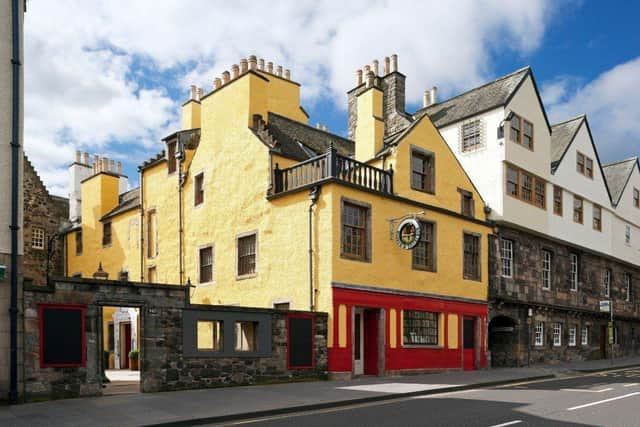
(606,399)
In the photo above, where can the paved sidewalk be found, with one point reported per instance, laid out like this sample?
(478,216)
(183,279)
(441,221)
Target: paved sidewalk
(211,405)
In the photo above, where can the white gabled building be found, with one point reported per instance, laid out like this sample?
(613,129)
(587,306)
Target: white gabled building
(568,227)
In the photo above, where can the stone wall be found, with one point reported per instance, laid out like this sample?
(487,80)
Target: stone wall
(44,211)
(164,365)
(513,297)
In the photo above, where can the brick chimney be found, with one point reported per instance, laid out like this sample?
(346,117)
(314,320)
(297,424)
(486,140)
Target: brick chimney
(392,84)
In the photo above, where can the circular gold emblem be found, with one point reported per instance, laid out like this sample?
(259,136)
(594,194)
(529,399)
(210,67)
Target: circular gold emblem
(408,233)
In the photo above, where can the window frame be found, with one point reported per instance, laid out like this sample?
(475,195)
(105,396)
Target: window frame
(538,334)
(572,339)
(41,351)
(366,247)
(521,122)
(220,338)
(636,197)
(584,164)
(628,286)
(557,334)
(597,222)
(428,175)
(107,238)
(577,198)
(606,282)
(245,235)
(584,335)
(547,269)
(574,274)
(432,243)
(467,196)
(509,259)
(256,335)
(429,337)
(210,246)
(198,191)
(172,160)
(38,238)
(477,277)
(78,241)
(535,183)
(558,202)
(627,234)
(474,135)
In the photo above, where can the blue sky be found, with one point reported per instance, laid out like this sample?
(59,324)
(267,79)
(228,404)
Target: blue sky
(111,83)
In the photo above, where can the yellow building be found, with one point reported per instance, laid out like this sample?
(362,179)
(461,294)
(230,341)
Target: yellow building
(254,207)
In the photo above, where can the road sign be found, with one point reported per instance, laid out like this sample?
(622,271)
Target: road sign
(605,306)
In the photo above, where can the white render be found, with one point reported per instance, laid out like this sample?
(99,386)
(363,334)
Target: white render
(487,169)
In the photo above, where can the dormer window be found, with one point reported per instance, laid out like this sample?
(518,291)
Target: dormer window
(171,157)
(584,165)
(521,132)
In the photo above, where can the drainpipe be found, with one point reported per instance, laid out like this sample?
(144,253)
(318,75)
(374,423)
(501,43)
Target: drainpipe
(179,158)
(141,224)
(15,188)
(314,194)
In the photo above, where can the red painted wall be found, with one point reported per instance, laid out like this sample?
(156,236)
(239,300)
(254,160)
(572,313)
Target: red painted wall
(399,358)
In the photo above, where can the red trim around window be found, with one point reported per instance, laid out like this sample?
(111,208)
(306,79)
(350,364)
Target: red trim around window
(82,309)
(313,332)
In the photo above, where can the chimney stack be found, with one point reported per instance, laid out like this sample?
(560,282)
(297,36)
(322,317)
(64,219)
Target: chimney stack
(199,93)
(375,67)
(235,70)
(105,164)
(358,77)
(434,95)
(226,77)
(96,163)
(367,68)
(287,74)
(426,98)
(192,92)
(85,158)
(387,65)
(119,168)
(253,62)
(394,62)
(279,71)
(370,79)
(78,154)
(244,66)
(261,64)
(112,165)
(270,67)
(217,83)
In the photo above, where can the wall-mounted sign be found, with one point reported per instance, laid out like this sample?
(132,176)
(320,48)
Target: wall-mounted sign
(408,233)
(605,306)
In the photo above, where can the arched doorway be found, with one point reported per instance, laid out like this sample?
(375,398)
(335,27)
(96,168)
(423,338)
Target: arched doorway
(503,340)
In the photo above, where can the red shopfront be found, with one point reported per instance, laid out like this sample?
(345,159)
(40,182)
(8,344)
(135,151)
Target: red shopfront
(378,332)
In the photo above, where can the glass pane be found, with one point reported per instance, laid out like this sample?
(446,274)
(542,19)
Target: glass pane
(246,336)
(209,335)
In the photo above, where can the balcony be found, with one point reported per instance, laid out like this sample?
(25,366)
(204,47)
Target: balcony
(332,167)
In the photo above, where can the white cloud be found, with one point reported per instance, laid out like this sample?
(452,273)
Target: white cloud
(612,107)
(80,89)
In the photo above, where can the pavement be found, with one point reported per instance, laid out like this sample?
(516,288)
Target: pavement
(199,407)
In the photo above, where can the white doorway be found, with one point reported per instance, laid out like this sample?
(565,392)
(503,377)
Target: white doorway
(358,342)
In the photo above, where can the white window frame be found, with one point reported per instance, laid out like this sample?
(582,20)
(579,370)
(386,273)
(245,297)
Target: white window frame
(557,334)
(606,282)
(627,234)
(506,257)
(38,238)
(627,284)
(547,259)
(572,335)
(539,334)
(474,128)
(584,335)
(574,272)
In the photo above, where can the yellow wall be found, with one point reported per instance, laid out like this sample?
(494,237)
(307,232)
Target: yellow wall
(191,115)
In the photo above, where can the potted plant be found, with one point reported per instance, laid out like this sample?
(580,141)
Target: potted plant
(134,356)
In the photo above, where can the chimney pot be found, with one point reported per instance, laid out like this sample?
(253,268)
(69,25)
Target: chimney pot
(199,93)
(434,95)
(253,62)
(370,79)
(426,98)
(235,70)
(119,168)
(367,68)
(261,64)
(394,62)
(287,74)
(358,77)
(85,158)
(192,92)
(243,66)
(105,165)
(375,67)
(318,125)
(279,71)
(217,83)
(225,77)
(270,67)
(112,165)
(387,65)
(78,155)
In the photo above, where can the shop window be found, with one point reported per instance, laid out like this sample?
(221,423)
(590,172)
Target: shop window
(37,238)
(209,335)
(420,328)
(106,233)
(62,336)
(246,336)
(355,231)
(422,171)
(206,264)
(247,249)
(471,268)
(423,254)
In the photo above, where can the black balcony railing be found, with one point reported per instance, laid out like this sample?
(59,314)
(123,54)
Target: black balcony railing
(332,166)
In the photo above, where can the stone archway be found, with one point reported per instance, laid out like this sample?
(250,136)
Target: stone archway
(503,341)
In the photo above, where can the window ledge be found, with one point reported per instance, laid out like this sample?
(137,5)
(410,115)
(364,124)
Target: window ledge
(424,346)
(352,258)
(205,284)
(246,276)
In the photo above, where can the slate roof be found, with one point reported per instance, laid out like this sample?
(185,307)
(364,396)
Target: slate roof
(299,141)
(483,98)
(126,201)
(617,175)
(158,158)
(562,135)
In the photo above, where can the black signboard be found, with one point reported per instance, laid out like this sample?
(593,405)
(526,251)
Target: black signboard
(300,341)
(62,341)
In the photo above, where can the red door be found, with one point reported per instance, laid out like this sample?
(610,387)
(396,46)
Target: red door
(469,344)
(371,342)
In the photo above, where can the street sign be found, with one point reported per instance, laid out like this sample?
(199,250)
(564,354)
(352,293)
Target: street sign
(605,306)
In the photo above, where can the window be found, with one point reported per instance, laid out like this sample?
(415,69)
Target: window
(106,233)
(526,187)
(422,171)
(546,269)
(584,165)
(572,336)
(471,136)
(420,327)
(246,336)
(467,205)
(355,231)
(171,157)
(539,334)
(521,131)
(597,218)
(557,334)
(627,234)
(206,264)
(247,255)
(573,273)
(423,254)
(506,255)
(471,268)
(627,286)
(79,242)
(209,335)
(198,189)
(584,335)
(606,282)
(636,198)
(557,200)
(152,234)
(37,238)
(577,209)
(152,274)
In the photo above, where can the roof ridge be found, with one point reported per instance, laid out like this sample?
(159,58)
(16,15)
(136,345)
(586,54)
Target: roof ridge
(312,128)
(580,116)
(617,162)
(513,73)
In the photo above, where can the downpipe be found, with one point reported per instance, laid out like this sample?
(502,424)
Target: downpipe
(314,194)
